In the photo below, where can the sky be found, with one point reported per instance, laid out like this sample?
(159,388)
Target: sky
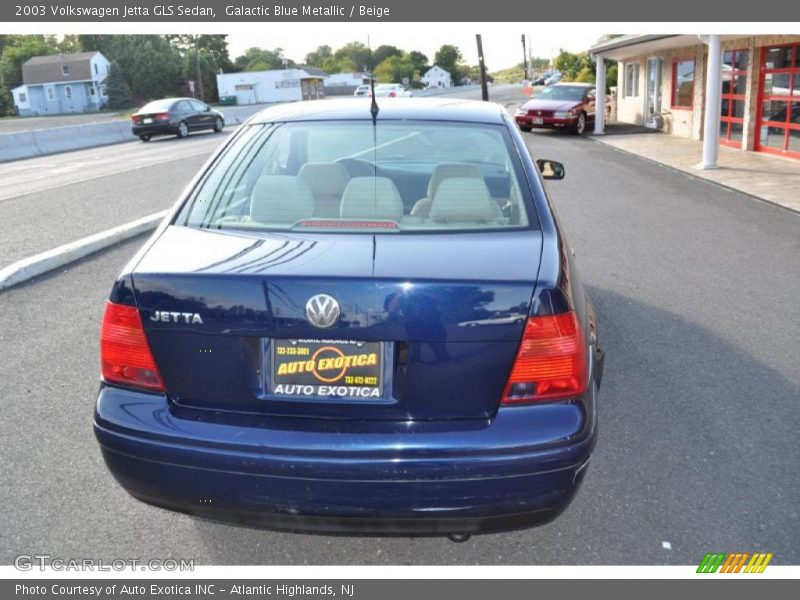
(502,46)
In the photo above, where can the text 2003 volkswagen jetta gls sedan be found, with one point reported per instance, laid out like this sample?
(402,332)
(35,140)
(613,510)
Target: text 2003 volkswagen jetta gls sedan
(319,335)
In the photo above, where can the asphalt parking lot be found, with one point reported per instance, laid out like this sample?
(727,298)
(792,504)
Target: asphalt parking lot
(696,289)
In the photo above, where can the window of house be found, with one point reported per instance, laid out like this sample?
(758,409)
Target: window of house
(68,92)
(682,83)
(23,97)
(632,80)
(91,90)
(96,69)
(51,94)
(65,70)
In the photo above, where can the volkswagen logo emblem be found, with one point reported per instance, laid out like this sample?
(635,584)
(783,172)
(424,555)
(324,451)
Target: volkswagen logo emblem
(322,311)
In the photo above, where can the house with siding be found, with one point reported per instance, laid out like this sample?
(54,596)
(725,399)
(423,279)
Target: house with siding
(436,76)
(62,83)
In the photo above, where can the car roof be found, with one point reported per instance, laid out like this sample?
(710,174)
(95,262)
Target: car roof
(425,109)
(165,100)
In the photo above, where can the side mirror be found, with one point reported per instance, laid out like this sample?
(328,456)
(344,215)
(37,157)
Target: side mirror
(550,169)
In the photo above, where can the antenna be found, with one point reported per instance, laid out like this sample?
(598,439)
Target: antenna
(373,109)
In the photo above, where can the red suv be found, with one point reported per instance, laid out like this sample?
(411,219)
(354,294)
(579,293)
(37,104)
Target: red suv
(563,105)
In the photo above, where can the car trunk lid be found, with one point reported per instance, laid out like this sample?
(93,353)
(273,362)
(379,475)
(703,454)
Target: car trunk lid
(445,313)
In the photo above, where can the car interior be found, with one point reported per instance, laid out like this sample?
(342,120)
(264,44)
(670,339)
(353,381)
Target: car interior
(283,189)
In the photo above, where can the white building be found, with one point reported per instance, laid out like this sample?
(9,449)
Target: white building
(283,85)
(352,80)
(344,84)
(438,77)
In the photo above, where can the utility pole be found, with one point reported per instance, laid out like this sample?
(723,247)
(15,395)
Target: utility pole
(524,59)
(530,55)
(482,64)
(197,64)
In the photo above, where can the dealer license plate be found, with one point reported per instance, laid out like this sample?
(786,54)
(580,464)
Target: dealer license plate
(327,368)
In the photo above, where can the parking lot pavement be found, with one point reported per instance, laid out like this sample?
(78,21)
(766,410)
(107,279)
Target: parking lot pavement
(49,201)
(696,292)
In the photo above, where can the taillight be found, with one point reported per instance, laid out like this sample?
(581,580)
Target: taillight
(162,117)
(392,95)
(125,355)
(551,361)
(136,119)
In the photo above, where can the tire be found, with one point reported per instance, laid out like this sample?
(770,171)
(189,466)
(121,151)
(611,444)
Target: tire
(183,129)
(219,124)
(525,128)
(580,125)
(144,138)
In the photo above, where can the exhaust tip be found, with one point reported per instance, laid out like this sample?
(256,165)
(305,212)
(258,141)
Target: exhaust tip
(459,538)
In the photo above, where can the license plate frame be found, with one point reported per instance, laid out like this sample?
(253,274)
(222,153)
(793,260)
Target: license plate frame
(358,376)
(537,121)
(147,121)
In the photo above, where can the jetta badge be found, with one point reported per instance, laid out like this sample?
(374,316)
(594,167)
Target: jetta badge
(322,311)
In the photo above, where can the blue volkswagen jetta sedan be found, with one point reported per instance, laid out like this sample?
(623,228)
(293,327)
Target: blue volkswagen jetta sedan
(356,322)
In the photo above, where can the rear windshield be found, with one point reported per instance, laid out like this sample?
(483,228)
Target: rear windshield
(396,176)
(157,106)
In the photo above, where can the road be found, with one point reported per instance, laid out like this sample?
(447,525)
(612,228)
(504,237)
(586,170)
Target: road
(696,290)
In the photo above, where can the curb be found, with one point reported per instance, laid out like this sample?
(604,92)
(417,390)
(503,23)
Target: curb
(30,267)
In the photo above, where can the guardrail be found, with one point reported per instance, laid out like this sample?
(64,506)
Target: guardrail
(39,142)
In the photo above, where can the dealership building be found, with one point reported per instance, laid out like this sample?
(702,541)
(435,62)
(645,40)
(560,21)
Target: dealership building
(741,91)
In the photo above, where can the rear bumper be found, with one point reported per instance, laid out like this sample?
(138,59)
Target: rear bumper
(155,129)
(426,482)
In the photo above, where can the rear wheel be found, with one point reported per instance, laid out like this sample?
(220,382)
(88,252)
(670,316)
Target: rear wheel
(580,125)
(144,138)
(183,129)
(218,124)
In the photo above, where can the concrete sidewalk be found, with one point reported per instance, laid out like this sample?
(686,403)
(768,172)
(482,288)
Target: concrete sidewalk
(771,178)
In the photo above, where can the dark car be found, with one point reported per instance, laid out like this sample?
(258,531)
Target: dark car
(569,106)
(175,116)
(292,347)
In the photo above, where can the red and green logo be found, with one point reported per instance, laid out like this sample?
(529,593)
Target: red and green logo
(739,562)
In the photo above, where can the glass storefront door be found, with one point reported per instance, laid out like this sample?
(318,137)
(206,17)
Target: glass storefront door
(778,123)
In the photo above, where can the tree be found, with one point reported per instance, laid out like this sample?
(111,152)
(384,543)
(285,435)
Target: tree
(319,56)
(419,60)
(119,94)
(394,68)
(381,53)
(151,66)
(70,44)
(211,51)
(582,67)
(448,58)
(351,57)
(256,59)
(17,50)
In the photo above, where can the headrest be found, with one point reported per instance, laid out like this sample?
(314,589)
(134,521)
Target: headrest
(447,170)
(371,198)
(280,199)
(324,179)
(463,199)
